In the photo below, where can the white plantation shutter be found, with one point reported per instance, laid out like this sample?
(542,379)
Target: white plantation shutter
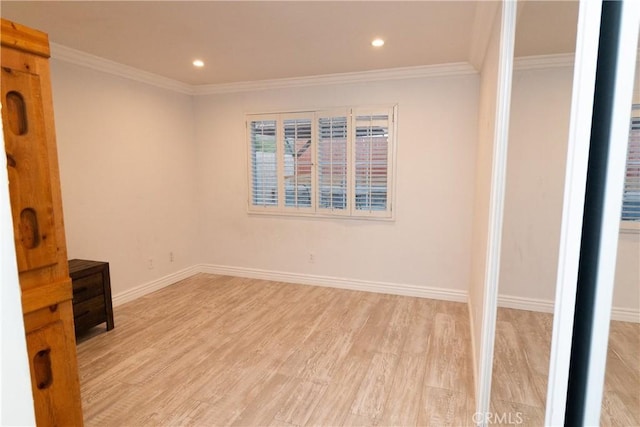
(264,163)
(631,195)
(298,162)
(332,164)
(372,161)
(337,163)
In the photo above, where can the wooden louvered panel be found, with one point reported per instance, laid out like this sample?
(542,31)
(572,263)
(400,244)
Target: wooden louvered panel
(29,184)
(36,204)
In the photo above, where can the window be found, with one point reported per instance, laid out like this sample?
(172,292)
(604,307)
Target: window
(322,163)
(631,194)
(332,162)
(264,163)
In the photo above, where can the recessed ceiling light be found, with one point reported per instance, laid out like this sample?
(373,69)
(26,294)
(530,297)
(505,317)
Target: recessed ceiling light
(198,63)
(377,43)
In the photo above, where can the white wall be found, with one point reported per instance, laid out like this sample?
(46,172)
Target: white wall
(538,134)
(539,127)
(127,165)
(484,160)
(429,242)
(140,181)
(145,173)
(626,289)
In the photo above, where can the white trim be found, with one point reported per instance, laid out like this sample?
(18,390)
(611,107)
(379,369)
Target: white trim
(612,206)
(625,315)
(64,53)
(77,57)
(620,314)
(297,278)
(315,210)
(506,301)
(536,62)
(473,344)
(496,205)
(440,70)
(67,54)
(529,304)
(154,285)
(338,282)
(584,73)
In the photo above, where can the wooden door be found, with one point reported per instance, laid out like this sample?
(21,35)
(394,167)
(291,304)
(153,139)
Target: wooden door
(36,206)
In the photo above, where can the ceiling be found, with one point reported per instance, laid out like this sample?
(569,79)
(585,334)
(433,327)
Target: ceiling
(248,41)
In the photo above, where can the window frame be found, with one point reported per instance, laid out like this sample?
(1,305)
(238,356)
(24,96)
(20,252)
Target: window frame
(315,211)
(264,208)
(331,113)
(627,226)
(355,112)
(281,163)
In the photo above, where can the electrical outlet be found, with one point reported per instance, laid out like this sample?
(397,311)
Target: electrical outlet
(171,256)
(312,258)
(150,263)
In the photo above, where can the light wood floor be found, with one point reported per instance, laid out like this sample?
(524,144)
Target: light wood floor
(216,350)
(521,364)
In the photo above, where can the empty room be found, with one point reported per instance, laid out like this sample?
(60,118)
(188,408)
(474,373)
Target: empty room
(319,213)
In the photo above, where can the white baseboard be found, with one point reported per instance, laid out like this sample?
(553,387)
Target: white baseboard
(507,301)
(154,285)
(529,304)
(473,352)
(546,306)
(338,282)
(625,314)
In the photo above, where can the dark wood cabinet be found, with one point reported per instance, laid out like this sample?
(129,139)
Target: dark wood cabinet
(91,294)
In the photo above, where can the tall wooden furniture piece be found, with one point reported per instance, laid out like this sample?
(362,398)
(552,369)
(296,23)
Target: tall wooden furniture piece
(36,205)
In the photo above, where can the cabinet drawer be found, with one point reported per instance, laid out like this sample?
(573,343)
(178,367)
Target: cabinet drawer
(91,294)
(89,313)
(87,287)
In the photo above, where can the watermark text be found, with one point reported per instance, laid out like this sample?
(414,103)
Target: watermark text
(487,418)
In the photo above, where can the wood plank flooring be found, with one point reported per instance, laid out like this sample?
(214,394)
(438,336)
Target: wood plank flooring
(521,364)
(217,350)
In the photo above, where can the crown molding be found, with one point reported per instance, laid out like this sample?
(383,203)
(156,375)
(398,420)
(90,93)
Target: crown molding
(558,60)
(536,62)
(84,59)
(453,69)
(77,57)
